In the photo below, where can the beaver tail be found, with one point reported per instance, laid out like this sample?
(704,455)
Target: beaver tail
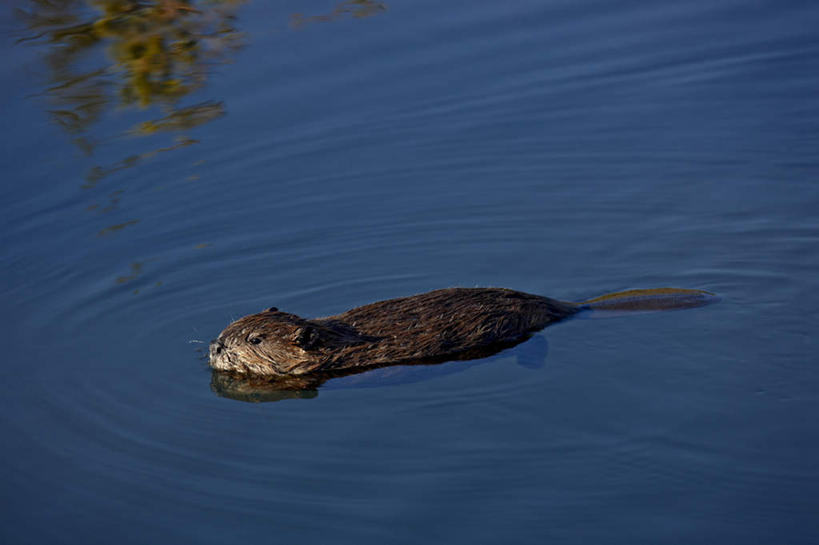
(649,300)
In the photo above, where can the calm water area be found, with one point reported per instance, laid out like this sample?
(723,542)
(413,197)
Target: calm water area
(169,166)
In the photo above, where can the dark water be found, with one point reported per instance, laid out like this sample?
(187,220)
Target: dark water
(168,171)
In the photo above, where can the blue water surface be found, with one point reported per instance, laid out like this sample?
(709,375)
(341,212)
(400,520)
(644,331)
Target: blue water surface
(169,167)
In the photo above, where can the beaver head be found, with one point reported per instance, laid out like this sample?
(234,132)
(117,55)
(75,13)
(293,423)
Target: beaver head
(277,343)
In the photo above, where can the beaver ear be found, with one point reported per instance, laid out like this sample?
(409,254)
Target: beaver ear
(305,337)
(272,309)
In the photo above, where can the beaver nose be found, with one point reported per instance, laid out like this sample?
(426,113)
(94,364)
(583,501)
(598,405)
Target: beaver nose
(216,347)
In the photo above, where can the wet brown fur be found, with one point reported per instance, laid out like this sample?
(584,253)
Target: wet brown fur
(453,323)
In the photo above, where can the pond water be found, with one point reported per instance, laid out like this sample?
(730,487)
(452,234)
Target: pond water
(170,167)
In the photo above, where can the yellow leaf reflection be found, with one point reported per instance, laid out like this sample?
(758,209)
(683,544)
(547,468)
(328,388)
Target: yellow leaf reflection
(114,228)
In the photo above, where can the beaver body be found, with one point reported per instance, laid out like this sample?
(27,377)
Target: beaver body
(445,324)
(441,325)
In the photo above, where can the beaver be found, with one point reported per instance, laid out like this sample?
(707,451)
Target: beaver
(441,325)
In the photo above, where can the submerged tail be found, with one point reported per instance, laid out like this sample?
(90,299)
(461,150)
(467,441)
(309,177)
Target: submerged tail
(652,299)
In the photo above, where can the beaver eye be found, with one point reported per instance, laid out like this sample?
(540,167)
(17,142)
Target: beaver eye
(255,340)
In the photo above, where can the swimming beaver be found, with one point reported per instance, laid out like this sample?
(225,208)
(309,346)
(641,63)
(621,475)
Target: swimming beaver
(446,324)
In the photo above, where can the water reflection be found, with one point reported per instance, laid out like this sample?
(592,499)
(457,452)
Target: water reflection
(257,389)
(110,53)
(531,354)
(117,227)
(352,8)
(146,55)
(99,172)
(106,53)
(136,270)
